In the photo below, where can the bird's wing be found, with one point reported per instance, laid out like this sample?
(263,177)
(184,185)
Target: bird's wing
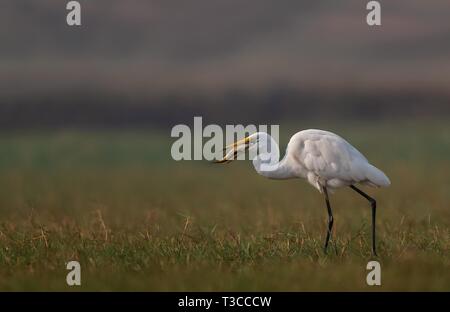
(329,157)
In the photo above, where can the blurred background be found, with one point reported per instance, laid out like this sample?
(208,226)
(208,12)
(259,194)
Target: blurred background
(85,165)
(157,63)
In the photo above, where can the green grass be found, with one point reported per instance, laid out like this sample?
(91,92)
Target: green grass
(137,220)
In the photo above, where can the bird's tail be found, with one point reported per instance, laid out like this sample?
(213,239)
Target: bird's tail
(377,177)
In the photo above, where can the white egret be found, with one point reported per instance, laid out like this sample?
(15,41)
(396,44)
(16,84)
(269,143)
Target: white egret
(324,159)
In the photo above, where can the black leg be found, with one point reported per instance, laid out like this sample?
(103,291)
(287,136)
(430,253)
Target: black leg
(373,203)
(330,218)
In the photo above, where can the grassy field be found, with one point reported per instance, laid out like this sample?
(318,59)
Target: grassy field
(136,220)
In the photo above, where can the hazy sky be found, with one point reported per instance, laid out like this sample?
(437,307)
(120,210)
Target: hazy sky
(210,45)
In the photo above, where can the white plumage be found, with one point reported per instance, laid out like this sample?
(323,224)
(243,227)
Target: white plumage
(327,160)
(323,158)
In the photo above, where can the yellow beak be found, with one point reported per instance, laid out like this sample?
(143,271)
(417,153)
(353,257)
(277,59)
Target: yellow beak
(231,155)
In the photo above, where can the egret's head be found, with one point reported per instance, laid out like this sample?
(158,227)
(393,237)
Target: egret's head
(239,147)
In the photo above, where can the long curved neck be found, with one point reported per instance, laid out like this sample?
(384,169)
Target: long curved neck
(268,163)
(279,171)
